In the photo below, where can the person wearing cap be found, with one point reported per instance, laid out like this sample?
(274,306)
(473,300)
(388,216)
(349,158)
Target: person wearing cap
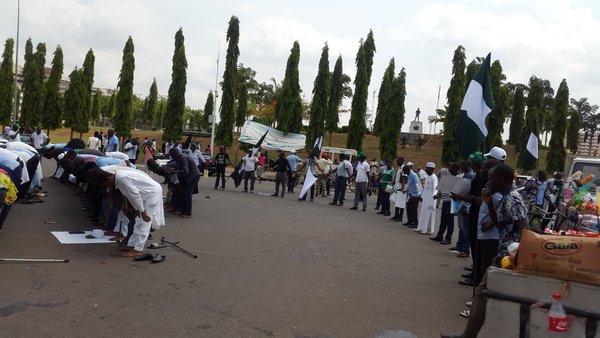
(324,166)
(311,165)
(400,186)
(387,175)
(221,162)
(413,195)
(497,153)
(293,160)
(13,134)
(250,164)
(281,166)
(362,177)
(428,197)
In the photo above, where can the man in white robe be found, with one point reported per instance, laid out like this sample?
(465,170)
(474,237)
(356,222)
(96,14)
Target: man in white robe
(427,215)
(145,196)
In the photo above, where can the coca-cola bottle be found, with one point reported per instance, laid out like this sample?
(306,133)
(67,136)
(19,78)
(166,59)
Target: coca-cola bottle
(557,316)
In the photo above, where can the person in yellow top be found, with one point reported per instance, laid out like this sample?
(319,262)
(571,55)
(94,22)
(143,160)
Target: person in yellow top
(8,196)
(324,167)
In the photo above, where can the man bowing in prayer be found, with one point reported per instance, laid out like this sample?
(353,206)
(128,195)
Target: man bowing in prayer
(145,196)
(427,216)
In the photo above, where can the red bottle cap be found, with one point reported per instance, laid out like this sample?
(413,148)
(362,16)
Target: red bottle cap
(556,296)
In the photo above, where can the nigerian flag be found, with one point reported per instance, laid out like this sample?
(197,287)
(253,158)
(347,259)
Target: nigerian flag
(256,147)
(530,155)
(477,104)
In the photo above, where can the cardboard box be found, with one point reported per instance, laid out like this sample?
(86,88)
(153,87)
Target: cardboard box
(563,257)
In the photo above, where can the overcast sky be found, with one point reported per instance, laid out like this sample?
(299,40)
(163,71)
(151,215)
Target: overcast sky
(552,39)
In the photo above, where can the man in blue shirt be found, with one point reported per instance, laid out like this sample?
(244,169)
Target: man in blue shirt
(113,141)
(293,160)
(413,197)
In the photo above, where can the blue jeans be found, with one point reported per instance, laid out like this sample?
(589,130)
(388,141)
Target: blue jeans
(446,222)
(464,242)
(340,189)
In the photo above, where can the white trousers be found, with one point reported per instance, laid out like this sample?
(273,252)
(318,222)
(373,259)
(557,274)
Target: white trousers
(427,216)
(141,230)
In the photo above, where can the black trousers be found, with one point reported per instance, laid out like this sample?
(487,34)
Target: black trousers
(220,174)
(411,210)
(485,252)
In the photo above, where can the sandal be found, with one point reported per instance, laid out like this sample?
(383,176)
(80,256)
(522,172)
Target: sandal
(130,253)
(158,258)
(156,245)
(144,257)
(465,313)
(469,303)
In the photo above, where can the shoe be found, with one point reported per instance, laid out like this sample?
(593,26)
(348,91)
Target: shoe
(333,203)
(418,230)
(364,209)
(436,238)
(468,304)
(412,226)
(426,233)
(465,313)
(252,191)
(379,213)
(467,282)
(387,214)
(463,255)
(453,248)
(215,188)
(407,223)
(469,268)
(354,208)
(467,275)
(185,215)
(451,336)
(454,252)
(376,208)
(275,195)
(281,196)
(312,200)
(340,204)
(446,242)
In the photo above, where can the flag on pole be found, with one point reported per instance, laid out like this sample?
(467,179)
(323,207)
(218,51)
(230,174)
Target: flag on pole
(258,144)
(530,155)
(477,104)
(310,179)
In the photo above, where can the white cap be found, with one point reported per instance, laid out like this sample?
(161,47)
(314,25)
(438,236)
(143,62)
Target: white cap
(497,153)
(293,151)
(430,165)
(409,164)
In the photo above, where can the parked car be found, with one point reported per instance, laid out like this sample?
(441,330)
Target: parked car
(26,138)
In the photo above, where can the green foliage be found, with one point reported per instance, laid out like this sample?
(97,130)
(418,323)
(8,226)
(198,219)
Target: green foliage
(75,97)
(455,95)
(393,118)
(95,110)
(209,107)
(242,106)
(495,120)
(7,83)
(123,116)
(533,116)
(33,85)
(517,119)
(288,110)
(318,107)
(336,94)
(555,160)
(88,81)
(575,112)
(173,119)
(224,133)
(364,66)
(383,106)
(52,115)
(150,109)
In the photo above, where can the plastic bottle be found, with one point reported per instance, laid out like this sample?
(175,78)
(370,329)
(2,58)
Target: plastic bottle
(557,316)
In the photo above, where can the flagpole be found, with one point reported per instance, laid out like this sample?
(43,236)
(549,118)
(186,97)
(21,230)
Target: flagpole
(437,107)
(214,117)
(14,115)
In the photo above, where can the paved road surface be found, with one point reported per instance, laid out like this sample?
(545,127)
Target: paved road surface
(267,267)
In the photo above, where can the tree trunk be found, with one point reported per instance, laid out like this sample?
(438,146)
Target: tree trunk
(48,132)
(330,133)
(71,134)
(80,135)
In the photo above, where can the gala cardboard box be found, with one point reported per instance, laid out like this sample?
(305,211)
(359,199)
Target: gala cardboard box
(563,257)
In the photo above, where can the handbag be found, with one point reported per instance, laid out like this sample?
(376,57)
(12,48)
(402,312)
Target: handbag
(393,198)
(388,188)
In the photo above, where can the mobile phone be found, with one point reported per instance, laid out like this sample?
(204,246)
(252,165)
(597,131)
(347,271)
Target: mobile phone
(76,232)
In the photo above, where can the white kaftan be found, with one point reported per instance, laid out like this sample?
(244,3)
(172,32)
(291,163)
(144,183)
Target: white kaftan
(427,215)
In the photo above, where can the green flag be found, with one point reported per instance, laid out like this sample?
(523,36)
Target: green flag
(530,155)
(477,104)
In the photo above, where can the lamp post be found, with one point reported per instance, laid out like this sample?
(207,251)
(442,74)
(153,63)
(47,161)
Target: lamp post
(14,115)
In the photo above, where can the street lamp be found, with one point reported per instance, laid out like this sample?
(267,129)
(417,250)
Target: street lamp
(214,115)
(14,115)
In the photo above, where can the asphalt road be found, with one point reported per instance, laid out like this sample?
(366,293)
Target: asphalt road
(267,267)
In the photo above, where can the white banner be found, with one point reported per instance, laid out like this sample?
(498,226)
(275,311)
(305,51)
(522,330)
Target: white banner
(275,139)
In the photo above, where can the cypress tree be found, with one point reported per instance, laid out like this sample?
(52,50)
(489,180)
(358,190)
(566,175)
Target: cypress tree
(95,111)
(173,119)
(455,95)
(224,133)
(288,109)
(394,118)
(150,111)
(573,129)
(557,153)
(533,120)
(336,94)
(242,106)
(123,117)
(364,67)
(74,98)
(33,84)
(7,83)
(385,91)
(209,107)
(517,119)
(88,81)
(495,120)
(52,115)
(318,106)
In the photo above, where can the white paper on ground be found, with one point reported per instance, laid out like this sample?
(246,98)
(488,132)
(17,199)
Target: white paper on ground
(64,237)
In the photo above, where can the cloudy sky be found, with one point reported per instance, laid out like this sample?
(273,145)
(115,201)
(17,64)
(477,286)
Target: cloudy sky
(552,39)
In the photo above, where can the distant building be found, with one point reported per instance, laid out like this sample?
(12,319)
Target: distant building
(589,147)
